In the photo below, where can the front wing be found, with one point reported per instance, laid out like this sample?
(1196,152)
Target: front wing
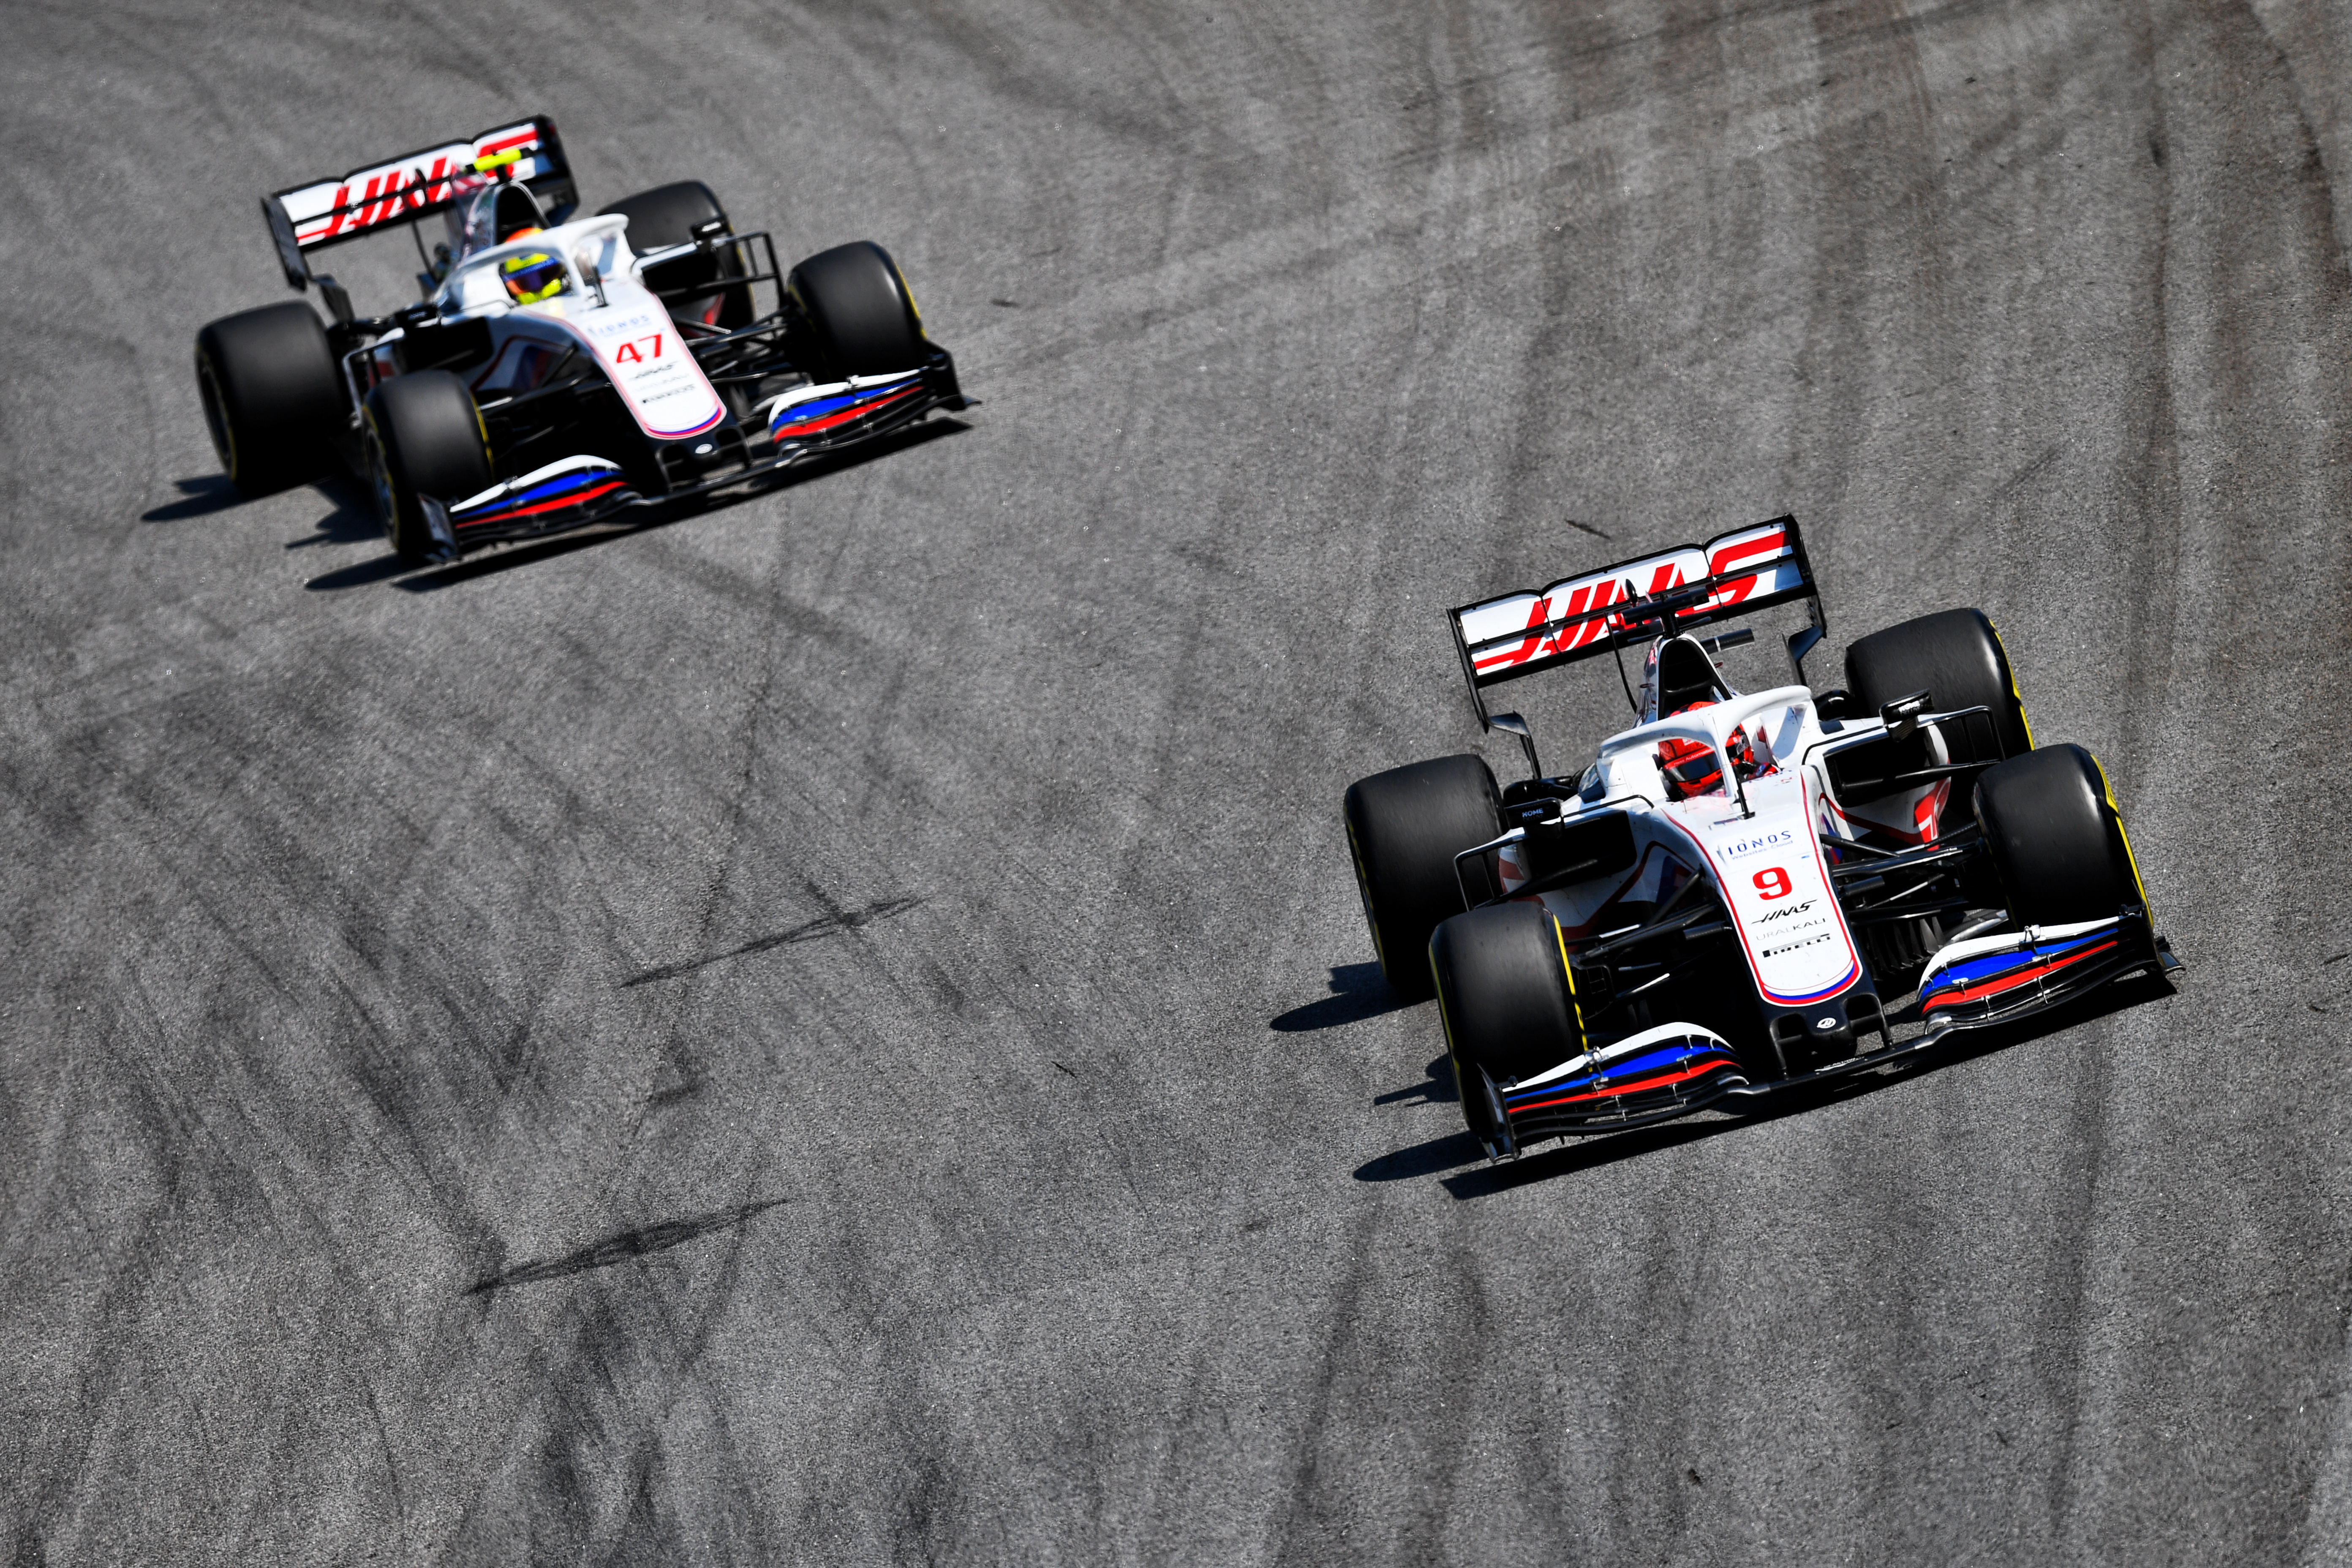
(1994,980)
(1676,1069)
(1658,1074)
(587,491)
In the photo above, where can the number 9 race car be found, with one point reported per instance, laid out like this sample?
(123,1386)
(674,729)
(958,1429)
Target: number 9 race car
(1736,895)
(561,371)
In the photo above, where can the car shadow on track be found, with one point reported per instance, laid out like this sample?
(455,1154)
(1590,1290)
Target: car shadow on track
(508,558)
(1584,1154)
(1437,1088)
(353,521)
(1358,993)
(199,497)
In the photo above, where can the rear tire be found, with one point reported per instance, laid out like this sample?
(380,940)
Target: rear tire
(272,395)
(1404,827)
(668,214)
(1954,656)
(1508,1003)
(423,437)
(859,311)
(2057,839)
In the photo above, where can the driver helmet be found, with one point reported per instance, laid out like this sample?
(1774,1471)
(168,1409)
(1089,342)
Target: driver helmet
(532,276)
(1690,768)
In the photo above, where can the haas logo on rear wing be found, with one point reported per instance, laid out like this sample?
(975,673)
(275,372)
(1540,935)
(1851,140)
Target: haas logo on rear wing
(413,185)
(1736,574)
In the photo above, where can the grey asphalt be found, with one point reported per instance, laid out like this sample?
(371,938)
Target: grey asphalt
(838,1030)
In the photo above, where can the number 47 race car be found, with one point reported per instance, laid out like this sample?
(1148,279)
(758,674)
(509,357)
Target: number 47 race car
(1736,895)
(559,371)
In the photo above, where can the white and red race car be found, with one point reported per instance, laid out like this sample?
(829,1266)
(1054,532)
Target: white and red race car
(561,371)
(1742,889)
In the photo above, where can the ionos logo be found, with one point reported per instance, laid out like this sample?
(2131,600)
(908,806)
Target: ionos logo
(1793,946)
(612,328)
(1773,840)
(1782,914)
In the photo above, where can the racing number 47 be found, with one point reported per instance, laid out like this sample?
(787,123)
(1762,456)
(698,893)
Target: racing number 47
(1773,883)
(628,355)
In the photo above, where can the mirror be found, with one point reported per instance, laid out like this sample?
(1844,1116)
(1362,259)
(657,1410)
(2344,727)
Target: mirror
(589,273)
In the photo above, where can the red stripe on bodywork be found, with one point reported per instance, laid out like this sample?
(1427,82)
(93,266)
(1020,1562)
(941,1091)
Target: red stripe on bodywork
(1537,613)
(1731,593)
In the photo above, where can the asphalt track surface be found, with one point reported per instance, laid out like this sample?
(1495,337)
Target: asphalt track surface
(838,1030)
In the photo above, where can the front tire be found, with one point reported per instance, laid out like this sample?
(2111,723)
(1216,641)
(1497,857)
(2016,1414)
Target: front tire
(1956,659)
(423,437)
(1404,828)
(1507,1001)
(859,311)
(272,395)
(2057,839)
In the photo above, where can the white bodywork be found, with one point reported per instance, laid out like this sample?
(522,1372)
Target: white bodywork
(1763,852)
(605,310)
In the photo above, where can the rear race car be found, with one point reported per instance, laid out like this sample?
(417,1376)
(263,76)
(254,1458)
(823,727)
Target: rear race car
(1743,890)
(561,371)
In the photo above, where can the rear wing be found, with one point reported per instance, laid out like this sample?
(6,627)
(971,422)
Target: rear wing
(1693,585)
(416,185)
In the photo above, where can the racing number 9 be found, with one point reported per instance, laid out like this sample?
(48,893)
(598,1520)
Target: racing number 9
(1774,883)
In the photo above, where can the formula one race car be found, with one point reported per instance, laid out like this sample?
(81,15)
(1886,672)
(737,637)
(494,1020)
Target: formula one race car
(561,371)
(1734,897)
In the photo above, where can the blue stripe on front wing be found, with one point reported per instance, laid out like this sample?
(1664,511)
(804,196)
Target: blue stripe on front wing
(561,485)
(1620,1072)
(1993,965)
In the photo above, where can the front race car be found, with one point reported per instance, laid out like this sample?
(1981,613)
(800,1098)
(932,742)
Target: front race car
(1744,890)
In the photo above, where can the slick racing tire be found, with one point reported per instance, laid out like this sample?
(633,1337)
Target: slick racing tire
(668,214)
(1956,659)
(1404,827)
(1508,1003)
(273,397)
(423,437)
(860,314)
(2057,839)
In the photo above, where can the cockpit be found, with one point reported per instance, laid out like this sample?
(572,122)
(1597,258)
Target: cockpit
(492,216)
(1682,678)
(1679,675)
(1690,769)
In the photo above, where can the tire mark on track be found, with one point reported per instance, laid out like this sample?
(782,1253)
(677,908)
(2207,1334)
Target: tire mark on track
(639,1242)
(833,924)
(1301,1533)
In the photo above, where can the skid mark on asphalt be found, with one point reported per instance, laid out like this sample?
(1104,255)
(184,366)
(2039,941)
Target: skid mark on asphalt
(676,1092)
(822,926)
(2325,964)
(620,1248)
